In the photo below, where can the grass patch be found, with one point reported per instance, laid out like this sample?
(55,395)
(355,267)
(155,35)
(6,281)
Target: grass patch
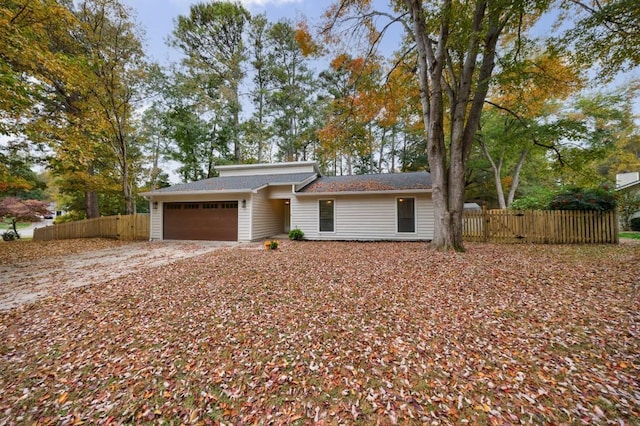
(632,235)
(19,225)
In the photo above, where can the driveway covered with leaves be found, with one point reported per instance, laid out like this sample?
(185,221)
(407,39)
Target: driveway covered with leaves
(31,270)
(337,333)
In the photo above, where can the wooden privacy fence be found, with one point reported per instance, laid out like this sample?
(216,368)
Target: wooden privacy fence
(130,227)
(541,226)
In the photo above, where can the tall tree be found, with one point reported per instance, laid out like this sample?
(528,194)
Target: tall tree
(54,76)
(456,45)
(257,128)
(357,101)
(526,96)
(117,62)
(291,86)
(212,39)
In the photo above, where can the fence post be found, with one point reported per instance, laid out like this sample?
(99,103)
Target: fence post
(485,224)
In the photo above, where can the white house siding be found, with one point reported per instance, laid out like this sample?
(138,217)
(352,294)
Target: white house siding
(155,219)
(282,192)
(362,217)
(266,169)
(244,227)
(268,216)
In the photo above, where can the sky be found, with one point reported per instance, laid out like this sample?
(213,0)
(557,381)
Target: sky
(157,18)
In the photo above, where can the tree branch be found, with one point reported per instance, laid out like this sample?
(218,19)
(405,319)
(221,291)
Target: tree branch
(526,125)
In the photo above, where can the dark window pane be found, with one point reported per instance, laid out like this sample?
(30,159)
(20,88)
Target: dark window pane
(406,215)
(326,215)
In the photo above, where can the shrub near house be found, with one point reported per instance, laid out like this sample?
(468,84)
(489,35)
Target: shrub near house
(600,199)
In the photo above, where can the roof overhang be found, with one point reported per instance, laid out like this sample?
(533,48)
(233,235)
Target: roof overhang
(385,192)
(298,186)
(629,186)
(180,193)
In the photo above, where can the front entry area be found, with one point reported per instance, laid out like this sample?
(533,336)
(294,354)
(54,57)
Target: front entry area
(208,220)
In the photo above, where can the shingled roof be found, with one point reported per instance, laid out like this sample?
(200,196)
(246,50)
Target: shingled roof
(366,183)
(235,183)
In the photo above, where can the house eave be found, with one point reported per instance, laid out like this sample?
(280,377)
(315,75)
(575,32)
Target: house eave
(179,193)
(298,186)
(385,192)
(628,186)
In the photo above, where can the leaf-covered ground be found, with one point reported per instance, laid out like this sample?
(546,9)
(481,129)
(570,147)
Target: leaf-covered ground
(351,333)
(12,252)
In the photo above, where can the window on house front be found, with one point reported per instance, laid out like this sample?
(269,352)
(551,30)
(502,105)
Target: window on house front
(326,216)
(406,215)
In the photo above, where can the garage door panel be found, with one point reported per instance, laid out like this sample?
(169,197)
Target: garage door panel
(201,221)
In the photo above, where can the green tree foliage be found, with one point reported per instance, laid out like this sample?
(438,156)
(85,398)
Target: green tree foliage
(256,129)
(608,30)
(16,175)
(628,206)
(596,138)
(211,37)
(290,93)
(82,80)
(117,64)
(29,31)
(599,199)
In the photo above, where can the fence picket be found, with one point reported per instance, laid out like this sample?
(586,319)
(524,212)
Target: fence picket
(545,227)
(128,227)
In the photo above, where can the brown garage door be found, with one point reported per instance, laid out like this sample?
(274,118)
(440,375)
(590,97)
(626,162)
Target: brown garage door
(213,220)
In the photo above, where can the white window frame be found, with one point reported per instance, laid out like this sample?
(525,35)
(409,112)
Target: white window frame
(333,204)
(415,216)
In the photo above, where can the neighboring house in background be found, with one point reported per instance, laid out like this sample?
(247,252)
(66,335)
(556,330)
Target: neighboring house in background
(252,202)
(629,182)
(55,212)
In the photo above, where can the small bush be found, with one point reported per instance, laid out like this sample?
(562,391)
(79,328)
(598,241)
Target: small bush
(271,245)
(536,200)
(635,224)
(296,234)
(584,199)
(72,216)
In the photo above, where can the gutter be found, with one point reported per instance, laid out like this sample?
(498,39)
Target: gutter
(203,192)
(628,185)
(384,192)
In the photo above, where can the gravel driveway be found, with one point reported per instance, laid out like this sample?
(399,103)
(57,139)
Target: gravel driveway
(27,281)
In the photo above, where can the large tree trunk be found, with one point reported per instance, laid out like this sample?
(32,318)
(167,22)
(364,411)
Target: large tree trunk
(448,168)
(91,207)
